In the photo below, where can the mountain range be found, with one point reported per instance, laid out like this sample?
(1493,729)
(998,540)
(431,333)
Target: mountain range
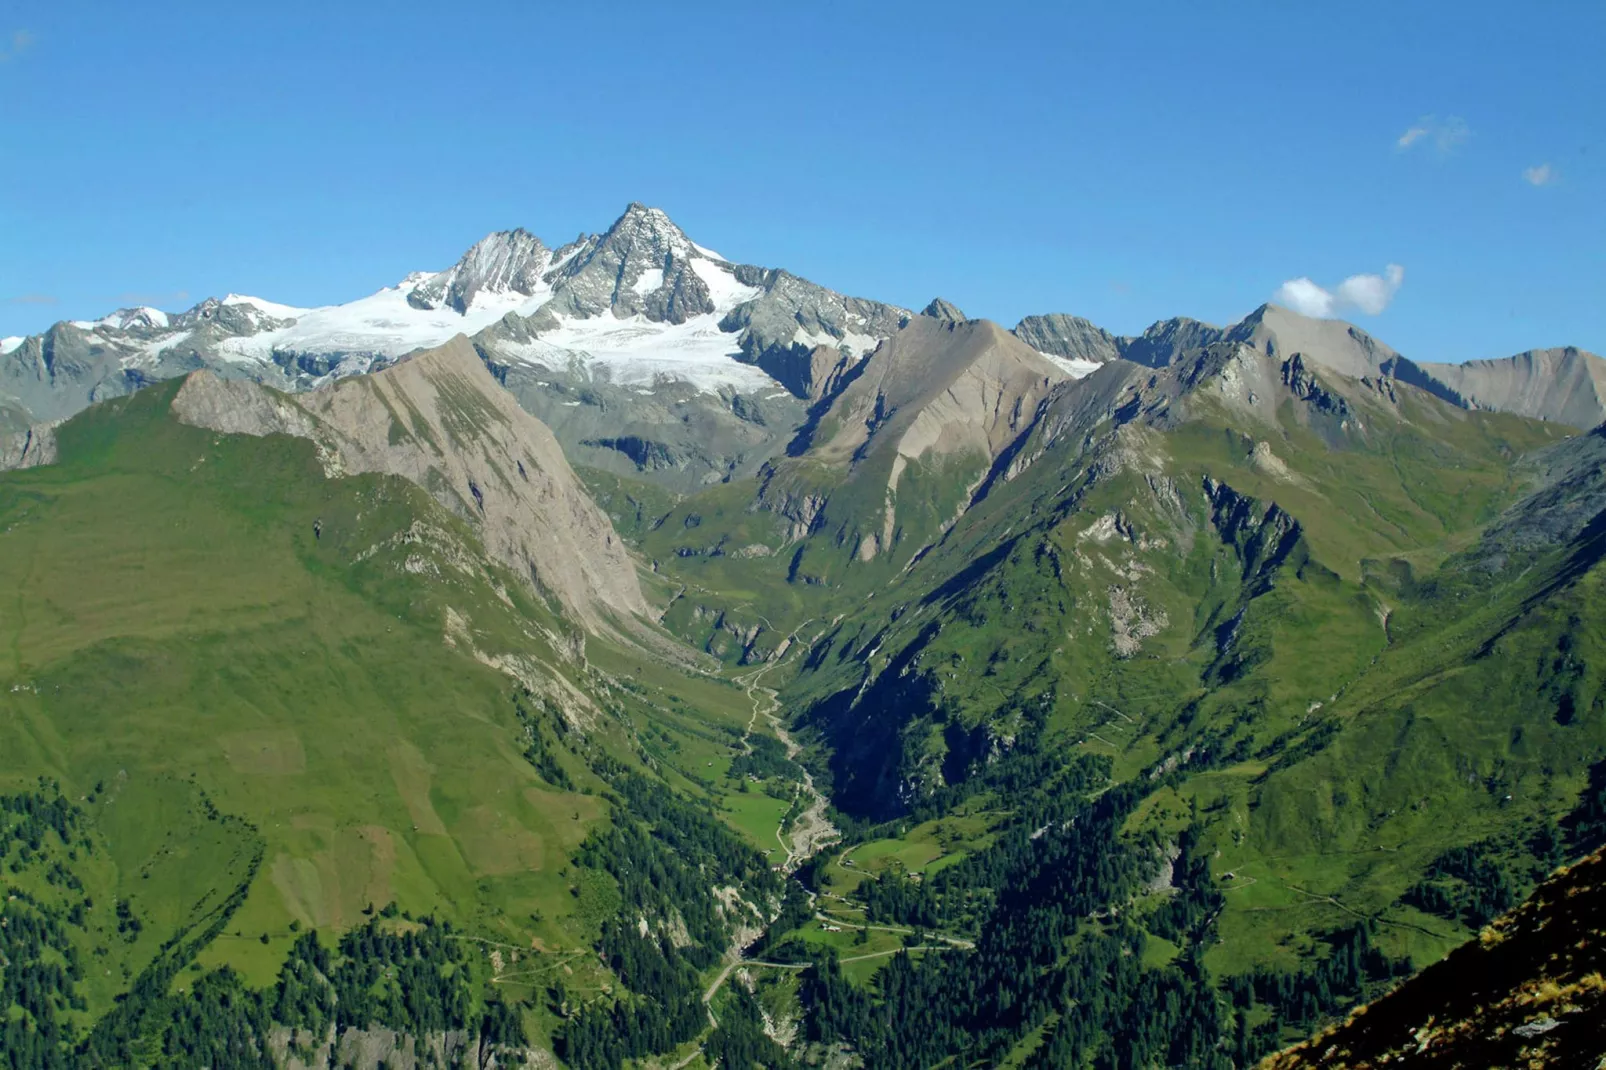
(618,655)
(650,355)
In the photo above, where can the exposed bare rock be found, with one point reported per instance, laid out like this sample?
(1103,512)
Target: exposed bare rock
(28,448)
(370,1049)
(1567,385)
(1570,499)
(642,266)
(792,318)
(510,261)
(240,407)
(1334,344)
(1167,341)
(1071,337)
(942,309)
(939,388)
(1132,620)
(441,421)
(1264,461)
(1526,992)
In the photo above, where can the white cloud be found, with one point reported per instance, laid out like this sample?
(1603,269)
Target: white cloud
(1543,175)
(1412,136)
(1369,294)
(1444,134)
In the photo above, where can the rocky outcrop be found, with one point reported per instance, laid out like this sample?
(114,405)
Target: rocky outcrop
(1570,499)
(950,396)
(28,448)
(1333,344)
(644,265)
(1264,535)
(509,261)
(1307,387)
(378,1047)
(1526,992)
(785,327)
(559,324)
(941,309)
(1071,337)
(1567,385)
(441,421)
(937,387)
(63,371)
(1167,341)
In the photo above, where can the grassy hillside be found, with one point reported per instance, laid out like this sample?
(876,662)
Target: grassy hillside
(280,703)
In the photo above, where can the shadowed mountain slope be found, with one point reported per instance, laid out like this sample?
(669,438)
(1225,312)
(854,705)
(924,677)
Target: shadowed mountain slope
(1529,991)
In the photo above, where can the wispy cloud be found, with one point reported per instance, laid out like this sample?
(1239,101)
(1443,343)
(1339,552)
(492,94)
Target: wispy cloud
(21,41)
(32,299)
(1543,175)
(1443,134)
(1369,294)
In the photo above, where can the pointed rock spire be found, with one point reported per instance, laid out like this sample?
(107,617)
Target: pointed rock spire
(943,310)
(508,261)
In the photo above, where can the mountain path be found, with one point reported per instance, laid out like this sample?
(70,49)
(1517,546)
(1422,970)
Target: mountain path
(812,832)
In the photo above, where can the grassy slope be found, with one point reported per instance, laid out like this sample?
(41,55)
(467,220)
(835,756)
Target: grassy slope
(173,627)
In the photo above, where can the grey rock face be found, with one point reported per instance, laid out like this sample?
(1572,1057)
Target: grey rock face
(1167,341)
(641,266)
(806,337)
(1071,337)
(1566,384)
(28,448)
(1570,499)
(782,328)
(128,319)
(509,261)
(66,369)
(217,320)
(943,310)
(1334,344)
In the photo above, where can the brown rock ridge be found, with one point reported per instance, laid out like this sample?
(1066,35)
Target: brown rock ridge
(438,419)
(947,393)
(1567,385)
(1528,992)
(939,387)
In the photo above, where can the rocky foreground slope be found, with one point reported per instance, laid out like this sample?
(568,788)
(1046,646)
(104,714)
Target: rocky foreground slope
(1530,992)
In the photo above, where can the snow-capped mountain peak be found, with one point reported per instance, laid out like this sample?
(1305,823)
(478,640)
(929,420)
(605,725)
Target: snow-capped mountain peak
(506,262)
(642,266)
(142,316)
(639,309)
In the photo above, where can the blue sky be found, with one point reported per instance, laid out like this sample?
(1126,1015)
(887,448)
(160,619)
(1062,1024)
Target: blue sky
(1124,162)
